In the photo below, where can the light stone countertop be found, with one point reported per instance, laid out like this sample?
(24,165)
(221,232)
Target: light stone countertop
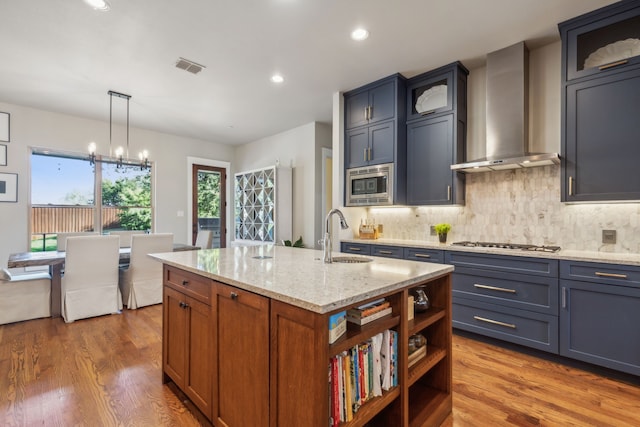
(571,255)
(300,277)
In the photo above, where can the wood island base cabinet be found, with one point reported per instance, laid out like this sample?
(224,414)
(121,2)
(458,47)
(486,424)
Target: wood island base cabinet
(268,360)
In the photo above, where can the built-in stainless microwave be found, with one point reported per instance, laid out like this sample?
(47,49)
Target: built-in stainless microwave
(370,185)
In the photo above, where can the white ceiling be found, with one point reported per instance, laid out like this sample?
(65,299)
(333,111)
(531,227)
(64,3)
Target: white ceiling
(63,56)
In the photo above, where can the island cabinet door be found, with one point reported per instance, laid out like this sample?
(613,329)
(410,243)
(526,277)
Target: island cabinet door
(241,373)
(299,367)
(175,344)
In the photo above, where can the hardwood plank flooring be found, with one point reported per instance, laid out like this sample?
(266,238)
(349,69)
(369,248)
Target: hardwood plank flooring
(106,371)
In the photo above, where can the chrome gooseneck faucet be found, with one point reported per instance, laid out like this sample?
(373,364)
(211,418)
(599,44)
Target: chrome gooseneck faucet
(326,243)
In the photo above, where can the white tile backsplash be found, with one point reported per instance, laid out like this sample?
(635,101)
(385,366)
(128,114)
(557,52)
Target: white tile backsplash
(519,206)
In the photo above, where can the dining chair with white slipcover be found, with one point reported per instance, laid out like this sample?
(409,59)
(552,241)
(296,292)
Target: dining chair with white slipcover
(204,239)
(90,280)
(62,238)
(125,236)
(141,283)
(24,296)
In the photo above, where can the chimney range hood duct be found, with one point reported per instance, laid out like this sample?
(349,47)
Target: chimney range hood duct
(508,115)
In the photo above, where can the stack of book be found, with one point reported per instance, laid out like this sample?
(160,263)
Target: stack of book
(369,312)
(337,326)
(361,373)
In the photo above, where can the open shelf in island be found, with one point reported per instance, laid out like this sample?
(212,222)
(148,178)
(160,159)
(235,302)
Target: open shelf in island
(355,333)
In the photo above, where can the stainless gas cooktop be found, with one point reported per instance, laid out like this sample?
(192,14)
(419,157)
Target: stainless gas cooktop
(516,246)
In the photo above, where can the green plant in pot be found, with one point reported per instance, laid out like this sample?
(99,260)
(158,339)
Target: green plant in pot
(441,230)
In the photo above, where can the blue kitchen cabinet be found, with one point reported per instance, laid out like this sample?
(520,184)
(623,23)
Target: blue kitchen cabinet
(436,136)
(424,255)
(601,93)
(511,298)
(373,114)
(355,248)
(600,314)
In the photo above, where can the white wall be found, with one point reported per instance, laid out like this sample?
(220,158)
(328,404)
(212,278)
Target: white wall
(37,128)
(298,149)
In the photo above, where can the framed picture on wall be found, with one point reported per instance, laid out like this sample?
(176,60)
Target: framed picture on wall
(3,155)
(8,187)
(4,127)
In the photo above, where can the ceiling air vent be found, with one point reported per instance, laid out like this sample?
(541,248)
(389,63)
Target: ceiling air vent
(190,66)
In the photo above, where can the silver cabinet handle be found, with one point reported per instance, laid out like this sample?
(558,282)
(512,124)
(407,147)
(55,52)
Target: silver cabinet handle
(448,192)
(571,186)
(385,252)
(370,112)
(366,113)
(422,256)
(495,322)
(564,297)
(364,154)
(614,275)
(370,156)
(494,288)
(355,249)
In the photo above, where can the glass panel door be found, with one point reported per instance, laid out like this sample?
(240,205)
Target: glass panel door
(209,202)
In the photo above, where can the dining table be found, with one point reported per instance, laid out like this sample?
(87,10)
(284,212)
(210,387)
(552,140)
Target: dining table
(55,261)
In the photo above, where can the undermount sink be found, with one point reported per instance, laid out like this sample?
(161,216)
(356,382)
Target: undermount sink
(351,259)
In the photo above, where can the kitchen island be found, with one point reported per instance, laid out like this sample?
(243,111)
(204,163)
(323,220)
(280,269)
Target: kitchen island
(246,335)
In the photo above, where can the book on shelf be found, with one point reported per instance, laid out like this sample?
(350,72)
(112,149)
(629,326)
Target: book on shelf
(337,326)
(369,309)
(364,320)
(417,355)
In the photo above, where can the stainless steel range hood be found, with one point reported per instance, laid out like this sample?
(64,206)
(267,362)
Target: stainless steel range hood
(508,115)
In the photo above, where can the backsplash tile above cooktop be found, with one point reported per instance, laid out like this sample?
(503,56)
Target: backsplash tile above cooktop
(519,206)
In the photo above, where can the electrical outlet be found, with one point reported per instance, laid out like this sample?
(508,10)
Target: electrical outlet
(609,236)
(433,230)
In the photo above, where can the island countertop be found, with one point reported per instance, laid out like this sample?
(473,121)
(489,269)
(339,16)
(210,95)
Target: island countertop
(300,277)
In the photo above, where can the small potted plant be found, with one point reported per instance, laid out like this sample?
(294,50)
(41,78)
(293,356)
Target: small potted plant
(441,230)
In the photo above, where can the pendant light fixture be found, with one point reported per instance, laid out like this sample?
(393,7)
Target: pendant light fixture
(119,151)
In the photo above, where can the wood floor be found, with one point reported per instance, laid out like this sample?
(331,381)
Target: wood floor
(106,371)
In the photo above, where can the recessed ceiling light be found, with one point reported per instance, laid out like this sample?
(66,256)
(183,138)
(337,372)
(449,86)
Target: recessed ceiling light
(359,34)
(98,4)
(277,78)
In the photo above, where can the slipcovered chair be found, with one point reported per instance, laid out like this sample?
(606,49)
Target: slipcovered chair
(125,236)
(24,296)
(90,280)
(141,283)
(62,238)
(204,240)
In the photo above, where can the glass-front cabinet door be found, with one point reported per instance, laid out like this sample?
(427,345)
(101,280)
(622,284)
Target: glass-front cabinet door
(610,41)
(429,96)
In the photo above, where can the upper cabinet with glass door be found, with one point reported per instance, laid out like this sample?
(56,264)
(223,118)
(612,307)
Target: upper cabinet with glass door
(430,93)
(603,40)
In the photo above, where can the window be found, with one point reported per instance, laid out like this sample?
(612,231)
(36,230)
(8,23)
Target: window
(68,194)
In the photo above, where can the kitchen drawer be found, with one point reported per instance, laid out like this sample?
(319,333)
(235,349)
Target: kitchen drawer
(425,255)
(387,251)
(610,274)
(355,248)
(533,293)
(536,330)
(188,283)
(504,263)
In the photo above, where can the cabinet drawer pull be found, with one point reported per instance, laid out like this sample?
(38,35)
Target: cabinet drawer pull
(614,275)
(364,154)
(613,64)
(385,252)
(234,296)
(494,288)
(370,156)
(184,304)
(355,249)
(495,322)
(185,283)
(422,256)
(370,112)
(366,113)
(426,113)
(448,192)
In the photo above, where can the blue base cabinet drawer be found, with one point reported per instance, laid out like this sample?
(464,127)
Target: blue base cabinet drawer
(611,274)
(533,293)
(386,251)
(424,255)
(531,329)
(507,264)
(355,248)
